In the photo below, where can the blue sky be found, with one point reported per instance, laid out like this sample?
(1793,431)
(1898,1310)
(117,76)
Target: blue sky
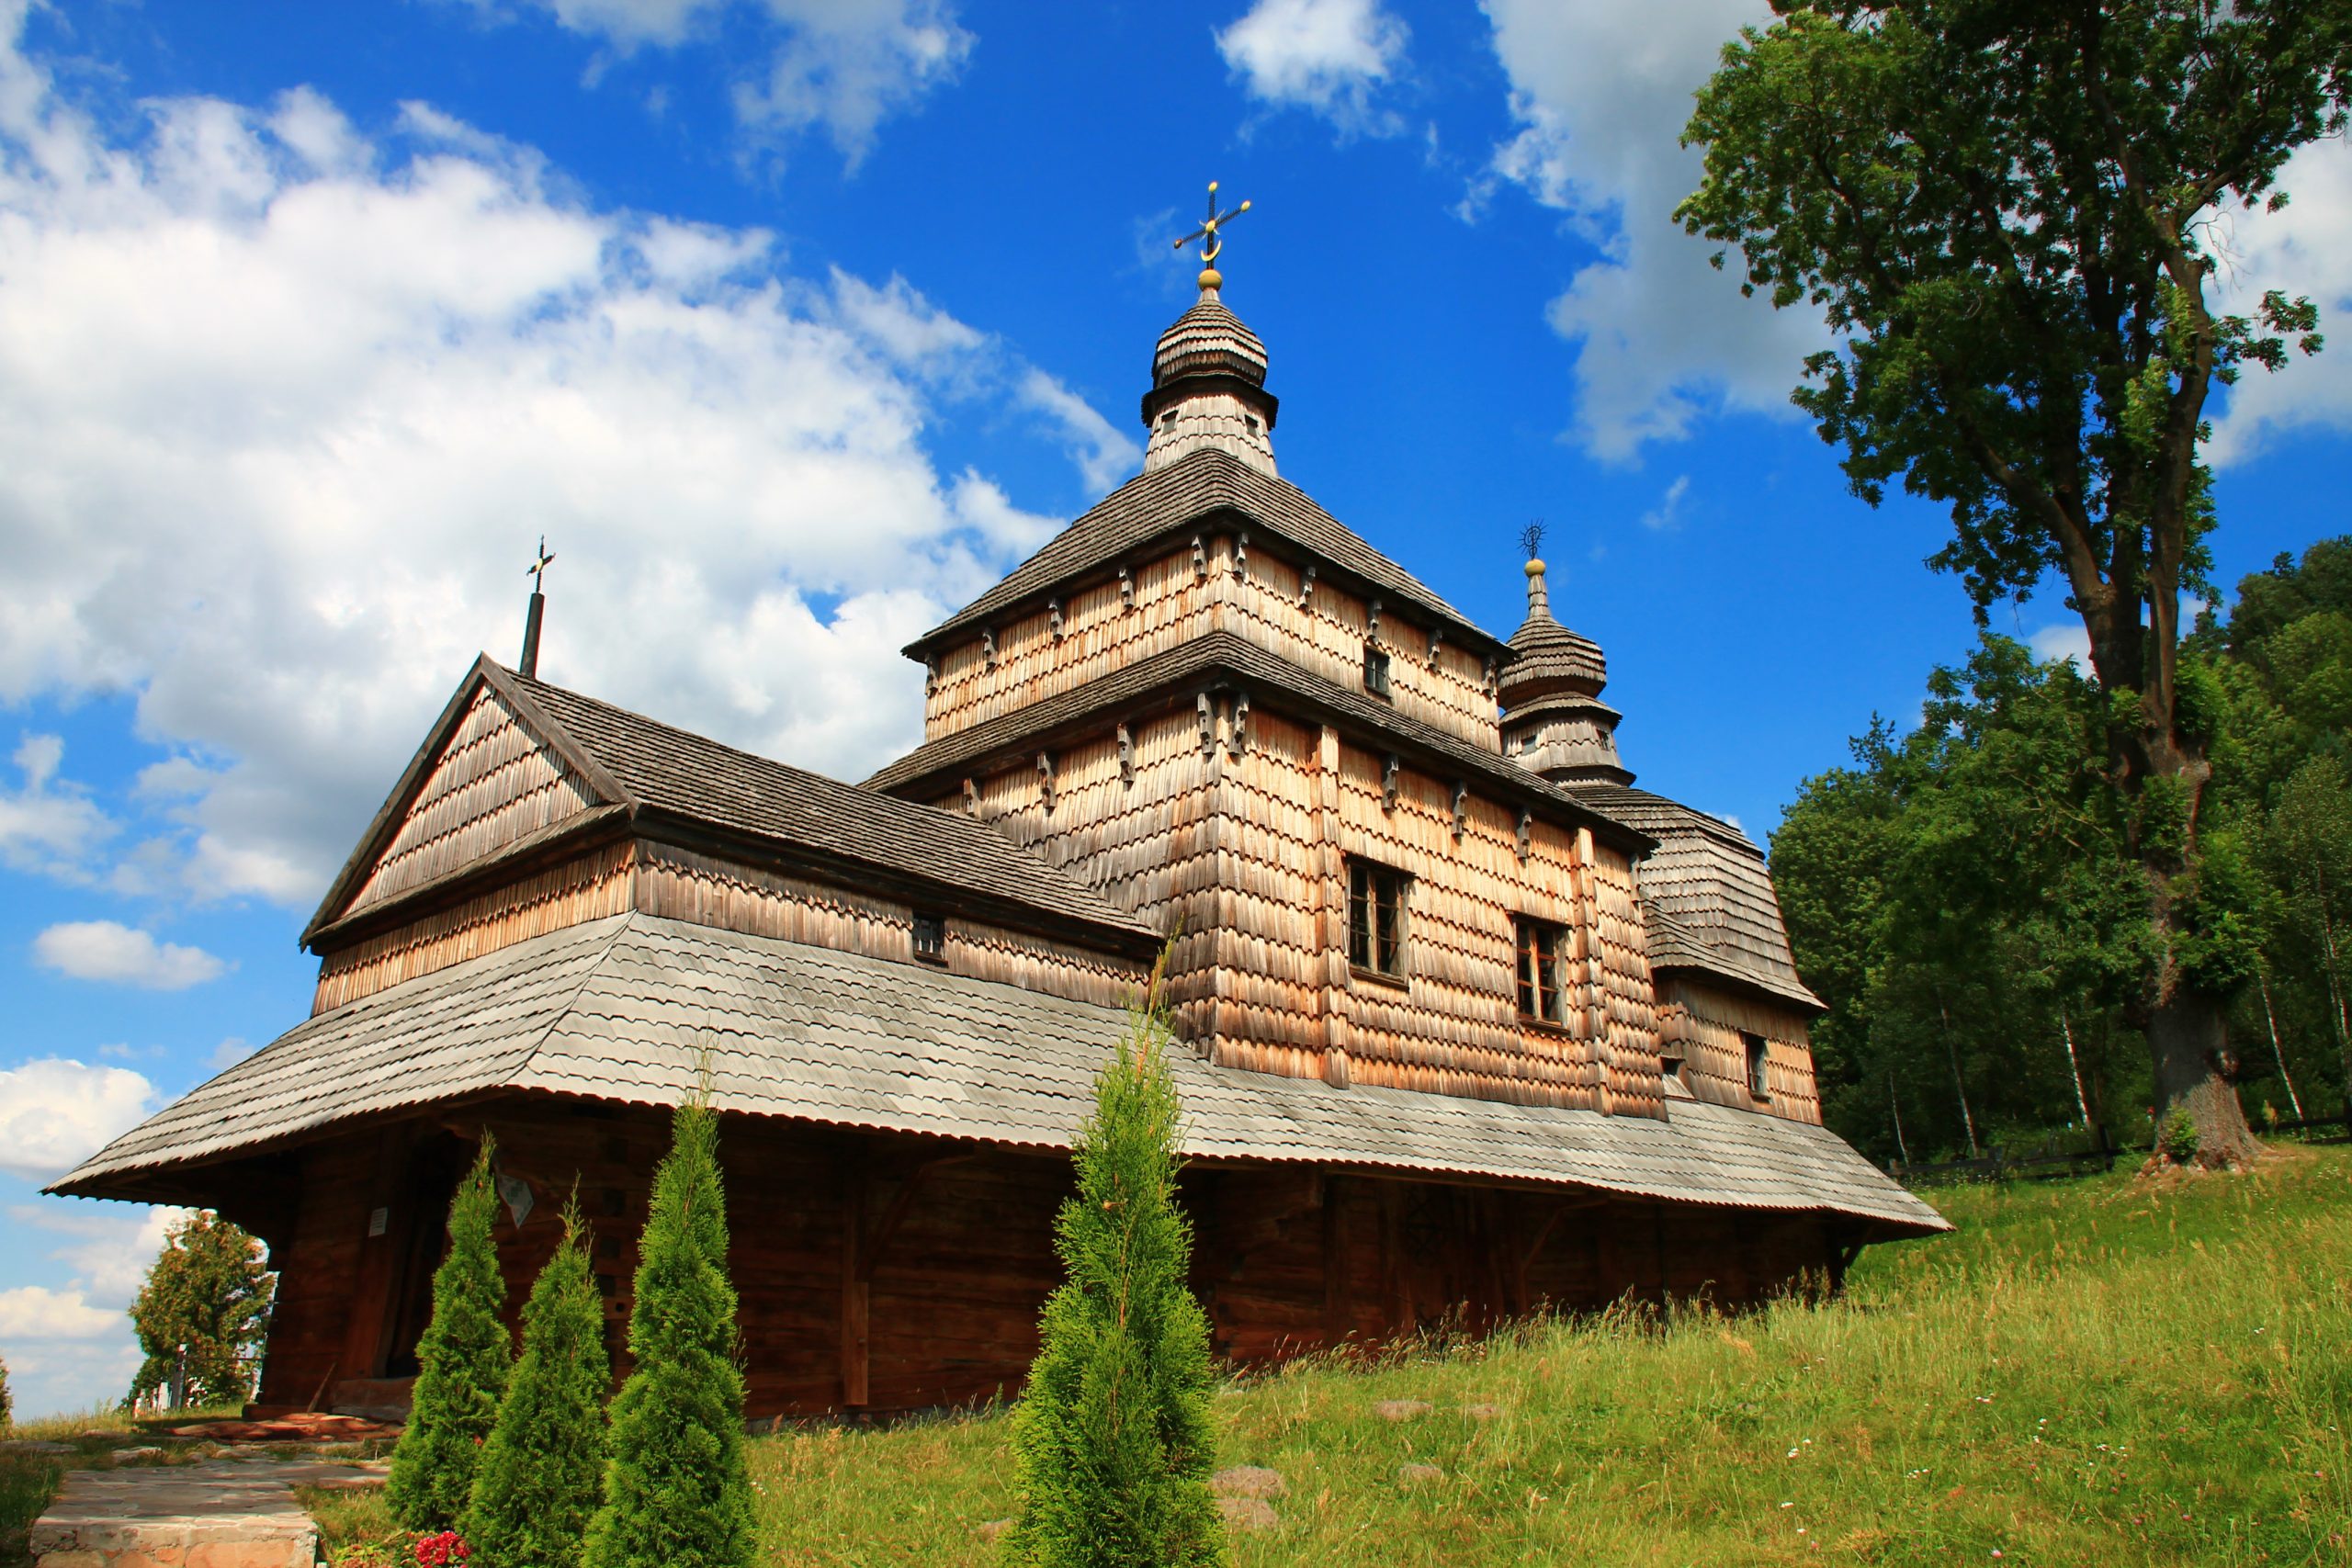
(793,324)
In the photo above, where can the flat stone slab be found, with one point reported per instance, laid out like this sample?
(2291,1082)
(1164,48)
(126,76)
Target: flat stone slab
(218,1514)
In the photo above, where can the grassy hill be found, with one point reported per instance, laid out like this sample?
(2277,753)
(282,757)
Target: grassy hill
(2102,1372)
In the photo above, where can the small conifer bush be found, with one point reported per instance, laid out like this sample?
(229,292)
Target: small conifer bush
(543,1468)
(463,1359)
(1112,1439)
(2178,1139)
(676,1492)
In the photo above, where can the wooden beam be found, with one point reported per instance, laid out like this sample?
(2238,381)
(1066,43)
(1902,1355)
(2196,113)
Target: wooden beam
(1338,1310)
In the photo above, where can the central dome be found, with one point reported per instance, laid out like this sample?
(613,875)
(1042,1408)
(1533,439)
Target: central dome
(1208,389)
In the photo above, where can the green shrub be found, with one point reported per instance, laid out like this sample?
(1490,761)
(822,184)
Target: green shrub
(7,1408)
(543,1468)
(1112,1440)
(463,1361)
(2178,1139)
(676,1493)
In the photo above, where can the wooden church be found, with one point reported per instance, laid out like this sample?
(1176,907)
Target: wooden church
(1470,1026)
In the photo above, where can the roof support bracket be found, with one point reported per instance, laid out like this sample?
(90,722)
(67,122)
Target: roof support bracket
(1389,785)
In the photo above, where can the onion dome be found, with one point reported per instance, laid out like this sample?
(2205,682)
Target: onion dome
(1208,387)
(1553,720)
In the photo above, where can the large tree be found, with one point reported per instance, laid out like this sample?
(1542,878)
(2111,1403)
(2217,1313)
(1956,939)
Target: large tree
(202,1314)
(2009,211)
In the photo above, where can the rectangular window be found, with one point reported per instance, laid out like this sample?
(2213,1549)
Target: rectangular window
(1376,671)
(1377,918)
(1759,1084)
(930,938)
(1542,947)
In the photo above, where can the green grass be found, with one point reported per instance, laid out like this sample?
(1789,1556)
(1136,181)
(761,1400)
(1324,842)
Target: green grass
(2104,1372)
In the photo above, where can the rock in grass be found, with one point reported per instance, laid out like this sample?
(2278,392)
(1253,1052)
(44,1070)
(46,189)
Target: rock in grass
(1482,1412)
(1249,1481)
(1247,1513)
(1415,1474)
(1402,1409)
(988,1530)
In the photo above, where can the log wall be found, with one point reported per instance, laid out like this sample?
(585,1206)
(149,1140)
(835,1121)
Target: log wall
(1234,586)
(1703,1025)
(892,1273)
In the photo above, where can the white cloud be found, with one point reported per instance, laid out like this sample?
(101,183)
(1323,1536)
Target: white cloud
(1329,56)
(2063,639)
(841,66)
(106,950)
(56,1112)
(283,409)
(1668,512)
(1103,454)
(1603,91)
(111,1247)
(44,827)
(2304,250)
(229,1053)
(36,1311)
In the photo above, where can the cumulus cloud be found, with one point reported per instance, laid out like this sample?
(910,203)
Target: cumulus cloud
(106,950)
(1668,512)
(2063,639)
(46,826)
(1329,56)
(284,407)
(56,1112)
(2303,249)
(839,66)
(1601,93)
(36,1311)
(109,1249)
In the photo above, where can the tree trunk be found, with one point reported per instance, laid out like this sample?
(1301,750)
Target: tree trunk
(2188,1045)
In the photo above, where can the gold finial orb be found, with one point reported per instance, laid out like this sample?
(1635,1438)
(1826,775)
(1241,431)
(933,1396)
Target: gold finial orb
(1535,567)
(1211,279)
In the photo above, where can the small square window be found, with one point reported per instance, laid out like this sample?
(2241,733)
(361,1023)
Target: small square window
(930,938)
(1758,1083)
(1541,948)
(1376,919)
(1376,671)
(1168,420)
(1250,424)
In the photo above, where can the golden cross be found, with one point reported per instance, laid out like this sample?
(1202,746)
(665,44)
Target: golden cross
(1211,241)
(537,569)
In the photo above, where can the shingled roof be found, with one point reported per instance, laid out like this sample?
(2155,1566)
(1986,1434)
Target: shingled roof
(627,1008)
(1709,894)
(659,775)
(1179,496)
(1224,654)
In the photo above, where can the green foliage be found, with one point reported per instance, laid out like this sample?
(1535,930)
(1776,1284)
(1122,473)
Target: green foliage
(677,1495)
(543,1468)
(2177,1142)
(207,1294)
(463,1359)
(1112,1440)
(8,1406)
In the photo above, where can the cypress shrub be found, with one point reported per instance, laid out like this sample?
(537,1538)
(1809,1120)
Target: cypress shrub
(462,1364)
(1112,1439)
(543,1468)
(676,1492)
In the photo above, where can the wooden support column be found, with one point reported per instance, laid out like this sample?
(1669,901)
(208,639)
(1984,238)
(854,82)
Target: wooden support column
(1338,1305)
(856,1277)
(1331,909)
(390,1193)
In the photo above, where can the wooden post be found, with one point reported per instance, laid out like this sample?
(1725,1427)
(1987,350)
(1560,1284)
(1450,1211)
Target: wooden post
(391,1191)
(1338,1314)
(855,1277)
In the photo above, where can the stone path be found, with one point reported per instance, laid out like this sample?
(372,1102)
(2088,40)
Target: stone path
(224,1513)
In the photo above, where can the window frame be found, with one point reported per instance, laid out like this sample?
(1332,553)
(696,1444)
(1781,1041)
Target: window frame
(1377,672)
(935,925)
(1539,968)
(1378,922)
(1758,1064)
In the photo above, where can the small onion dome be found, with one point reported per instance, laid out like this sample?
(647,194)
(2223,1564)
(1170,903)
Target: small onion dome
(1547,658)
(1208,340)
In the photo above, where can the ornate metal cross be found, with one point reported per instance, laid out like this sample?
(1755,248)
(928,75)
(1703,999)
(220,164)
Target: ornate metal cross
(537,569)
(1211,243)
